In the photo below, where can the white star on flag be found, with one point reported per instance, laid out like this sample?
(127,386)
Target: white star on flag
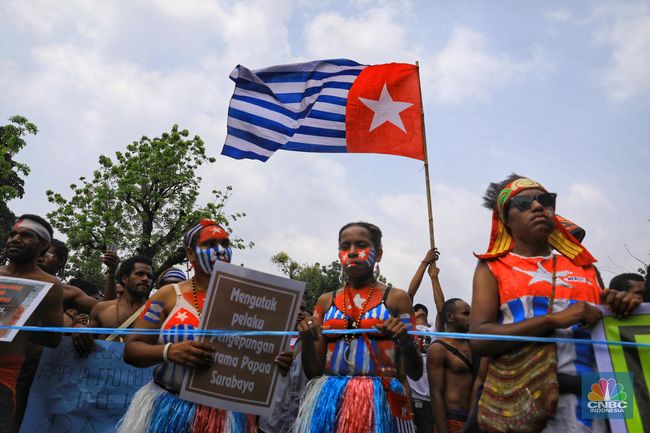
(182,316)
(362,255)
(386,110)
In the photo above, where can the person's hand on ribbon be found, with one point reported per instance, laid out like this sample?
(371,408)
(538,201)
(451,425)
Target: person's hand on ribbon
(395,328)
(310,329)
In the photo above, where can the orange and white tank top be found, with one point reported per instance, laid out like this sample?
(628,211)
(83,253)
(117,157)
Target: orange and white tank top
(525,285)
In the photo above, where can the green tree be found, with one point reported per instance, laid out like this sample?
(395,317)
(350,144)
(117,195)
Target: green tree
(142,201)
(11,171)
(319,279)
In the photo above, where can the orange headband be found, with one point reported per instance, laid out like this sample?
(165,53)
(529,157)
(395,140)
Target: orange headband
(502,242)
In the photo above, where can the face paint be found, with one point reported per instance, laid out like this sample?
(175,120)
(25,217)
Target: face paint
(152,313)
(207,257)
(343,257)
(367,255)
(212,232)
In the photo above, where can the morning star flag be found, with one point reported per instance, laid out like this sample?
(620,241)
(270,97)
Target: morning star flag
(334,106)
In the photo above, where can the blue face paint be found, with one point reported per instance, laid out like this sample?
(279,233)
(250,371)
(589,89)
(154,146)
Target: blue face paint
(207,257)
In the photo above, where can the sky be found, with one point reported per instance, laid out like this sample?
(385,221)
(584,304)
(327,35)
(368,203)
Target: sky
(556,91)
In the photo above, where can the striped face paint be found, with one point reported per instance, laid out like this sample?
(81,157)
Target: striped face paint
(366,255)
(207,257)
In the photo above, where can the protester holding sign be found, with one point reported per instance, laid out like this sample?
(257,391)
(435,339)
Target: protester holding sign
(522,287)
(355,384)
(176,311)
(29,238)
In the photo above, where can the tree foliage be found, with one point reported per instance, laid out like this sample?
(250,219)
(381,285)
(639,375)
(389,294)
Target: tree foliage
(319,278)
(12,172)
(143,200)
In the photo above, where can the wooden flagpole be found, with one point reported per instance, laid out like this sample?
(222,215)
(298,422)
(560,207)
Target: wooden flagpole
(432,238)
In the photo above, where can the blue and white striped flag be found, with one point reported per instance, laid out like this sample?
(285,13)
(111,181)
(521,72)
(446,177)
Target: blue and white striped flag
(325,106)
(298,107)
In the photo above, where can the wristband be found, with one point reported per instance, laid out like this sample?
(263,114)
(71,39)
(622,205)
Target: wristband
(166,351)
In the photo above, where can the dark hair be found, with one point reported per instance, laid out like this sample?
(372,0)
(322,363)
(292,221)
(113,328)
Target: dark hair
(42,221)
(621,282)
(417,307)
(127,265)
(61,250)
(375,232)
(494,188)
(88,288)
(448,307)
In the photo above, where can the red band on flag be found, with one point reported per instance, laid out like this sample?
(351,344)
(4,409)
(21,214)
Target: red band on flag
(384,111)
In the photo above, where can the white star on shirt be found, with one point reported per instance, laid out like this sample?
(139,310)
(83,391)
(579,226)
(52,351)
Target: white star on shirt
(386,110)
(541,274)
(182,316)
(358,301)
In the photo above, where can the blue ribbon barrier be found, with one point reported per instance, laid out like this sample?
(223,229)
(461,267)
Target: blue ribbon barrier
(225,332)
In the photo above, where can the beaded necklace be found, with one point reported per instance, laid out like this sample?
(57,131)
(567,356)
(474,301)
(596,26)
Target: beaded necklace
(347,297)
(196,302)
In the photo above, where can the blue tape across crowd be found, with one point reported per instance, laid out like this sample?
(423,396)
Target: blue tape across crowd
(214,332)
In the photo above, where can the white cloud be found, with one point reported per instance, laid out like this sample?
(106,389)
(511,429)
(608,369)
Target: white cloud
(624,27)
(560,15)
(467,69)
(375,35)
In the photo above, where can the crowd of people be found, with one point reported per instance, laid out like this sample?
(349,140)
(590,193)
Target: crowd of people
(536,279)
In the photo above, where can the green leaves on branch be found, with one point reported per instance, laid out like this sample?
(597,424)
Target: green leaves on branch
(11,142)
(142,200)
(320,279)
(11,183)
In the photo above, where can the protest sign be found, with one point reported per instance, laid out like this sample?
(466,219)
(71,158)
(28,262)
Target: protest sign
(243,375)
(73,394)
(634,360)
(18,300)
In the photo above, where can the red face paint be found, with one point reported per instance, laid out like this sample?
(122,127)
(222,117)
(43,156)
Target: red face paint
(212,232)
(363,256)
(343,256)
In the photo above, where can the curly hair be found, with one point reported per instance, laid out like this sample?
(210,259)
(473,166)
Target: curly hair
(494,188)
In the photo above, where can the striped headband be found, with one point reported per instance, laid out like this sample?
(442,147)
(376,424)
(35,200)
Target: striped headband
(174,273)
(502,242)
(34,226)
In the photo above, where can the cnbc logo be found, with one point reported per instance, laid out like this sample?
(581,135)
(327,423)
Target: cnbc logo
(608,395)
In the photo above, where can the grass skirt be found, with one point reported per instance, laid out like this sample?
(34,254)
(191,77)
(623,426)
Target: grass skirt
(348,404)
(155,410)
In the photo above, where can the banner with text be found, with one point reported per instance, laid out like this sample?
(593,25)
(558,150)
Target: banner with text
(633,361)
(73,394)
(243,375)
(18,300)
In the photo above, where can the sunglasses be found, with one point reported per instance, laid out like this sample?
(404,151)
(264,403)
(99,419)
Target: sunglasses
(525,202)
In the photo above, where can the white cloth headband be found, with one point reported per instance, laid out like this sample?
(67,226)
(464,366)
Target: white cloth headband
(36,227)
